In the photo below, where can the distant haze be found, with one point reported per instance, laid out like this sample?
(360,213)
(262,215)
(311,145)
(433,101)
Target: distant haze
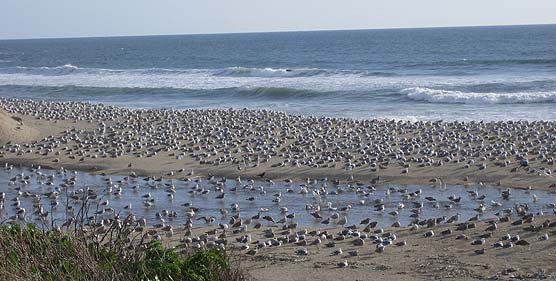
(75,18)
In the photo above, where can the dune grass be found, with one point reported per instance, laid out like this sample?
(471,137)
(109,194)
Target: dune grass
(117,253)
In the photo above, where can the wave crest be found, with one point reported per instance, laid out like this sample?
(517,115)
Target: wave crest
(446,96)
(239,71)
(44,70)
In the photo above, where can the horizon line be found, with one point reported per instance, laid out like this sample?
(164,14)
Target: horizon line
(272,31)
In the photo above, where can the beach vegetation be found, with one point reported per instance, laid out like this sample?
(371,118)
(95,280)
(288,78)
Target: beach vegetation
(28,252)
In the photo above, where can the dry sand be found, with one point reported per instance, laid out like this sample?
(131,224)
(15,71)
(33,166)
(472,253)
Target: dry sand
(14,131)
(69,155)
(442,257)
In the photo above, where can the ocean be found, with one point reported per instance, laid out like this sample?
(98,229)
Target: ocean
(463,73)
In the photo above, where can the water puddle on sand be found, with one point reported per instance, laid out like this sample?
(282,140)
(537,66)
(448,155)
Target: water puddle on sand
(25,186)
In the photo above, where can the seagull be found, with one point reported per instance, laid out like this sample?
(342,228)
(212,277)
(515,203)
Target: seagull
(343,264)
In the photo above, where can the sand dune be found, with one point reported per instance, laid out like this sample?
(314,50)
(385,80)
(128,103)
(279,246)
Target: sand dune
(15,131)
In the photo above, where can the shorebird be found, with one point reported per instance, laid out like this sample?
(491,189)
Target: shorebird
(343,264)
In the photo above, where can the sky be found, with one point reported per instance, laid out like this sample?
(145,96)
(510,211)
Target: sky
(86,18)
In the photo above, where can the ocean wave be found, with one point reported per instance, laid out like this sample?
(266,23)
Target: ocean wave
(447,96)
(275,93)
(43,70)
(200,79)
(236,71)
(239,93)
(70,69)
(317,80)
(239,71)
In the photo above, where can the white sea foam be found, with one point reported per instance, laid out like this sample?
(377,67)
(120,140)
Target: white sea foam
(271,72)
(421,88)
(445,96)
(43,70)
(237,71)
(198,79)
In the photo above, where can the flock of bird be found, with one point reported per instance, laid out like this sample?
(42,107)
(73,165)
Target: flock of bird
(55,197)
(247,139)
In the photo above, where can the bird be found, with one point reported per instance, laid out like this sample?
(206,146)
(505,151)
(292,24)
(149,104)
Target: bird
(343,264)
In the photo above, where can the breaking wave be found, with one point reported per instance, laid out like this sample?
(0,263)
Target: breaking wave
(446,96)
(237,71)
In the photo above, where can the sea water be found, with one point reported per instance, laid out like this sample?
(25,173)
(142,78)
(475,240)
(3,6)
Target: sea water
(464,73)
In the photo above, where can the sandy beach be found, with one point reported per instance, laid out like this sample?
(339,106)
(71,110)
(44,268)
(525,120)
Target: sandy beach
(442,257)
(271,146)
(246,143)
(423,258)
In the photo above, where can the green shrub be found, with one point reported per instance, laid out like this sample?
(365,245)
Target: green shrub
(202,265)
(159,262)
(29,253)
